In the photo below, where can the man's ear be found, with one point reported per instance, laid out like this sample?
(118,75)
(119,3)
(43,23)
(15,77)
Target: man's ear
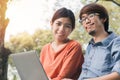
(103,20)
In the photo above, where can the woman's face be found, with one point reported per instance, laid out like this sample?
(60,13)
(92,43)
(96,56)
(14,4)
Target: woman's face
(61,28)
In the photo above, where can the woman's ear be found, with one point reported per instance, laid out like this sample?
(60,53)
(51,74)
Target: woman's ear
(51,24)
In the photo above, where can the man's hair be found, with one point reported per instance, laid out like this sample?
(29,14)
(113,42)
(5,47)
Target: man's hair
(96,8)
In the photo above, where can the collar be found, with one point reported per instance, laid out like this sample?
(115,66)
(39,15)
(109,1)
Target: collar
(105,41)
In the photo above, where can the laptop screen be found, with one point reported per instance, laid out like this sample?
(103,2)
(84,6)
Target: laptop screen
(28,66)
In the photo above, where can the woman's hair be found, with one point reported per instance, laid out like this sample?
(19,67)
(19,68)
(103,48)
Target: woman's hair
(64,12)
(96,8)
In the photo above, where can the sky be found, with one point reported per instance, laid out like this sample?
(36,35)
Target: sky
(29,15)
(25,15)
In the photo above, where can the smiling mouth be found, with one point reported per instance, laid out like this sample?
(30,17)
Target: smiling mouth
(90,25)
(60,34)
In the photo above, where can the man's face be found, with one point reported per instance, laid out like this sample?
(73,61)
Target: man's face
(92,23)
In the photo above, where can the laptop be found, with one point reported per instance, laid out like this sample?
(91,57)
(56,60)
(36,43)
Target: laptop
(28,66)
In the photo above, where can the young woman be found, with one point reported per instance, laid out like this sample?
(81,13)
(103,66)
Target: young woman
(62,58)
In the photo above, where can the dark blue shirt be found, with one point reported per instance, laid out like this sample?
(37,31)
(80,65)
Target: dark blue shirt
(102,58)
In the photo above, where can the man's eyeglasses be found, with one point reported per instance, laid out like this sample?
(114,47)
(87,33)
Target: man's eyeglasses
(90,17)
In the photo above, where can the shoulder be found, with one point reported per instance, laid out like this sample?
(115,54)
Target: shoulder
(45,49)
(110,40)
(74,43)
(115,47)
(73,48)
(116,41)
(117,38)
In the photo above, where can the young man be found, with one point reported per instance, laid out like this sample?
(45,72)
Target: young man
(102,58)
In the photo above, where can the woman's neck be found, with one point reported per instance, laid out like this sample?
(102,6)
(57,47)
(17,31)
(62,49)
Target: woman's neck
(61,42)
(56,45)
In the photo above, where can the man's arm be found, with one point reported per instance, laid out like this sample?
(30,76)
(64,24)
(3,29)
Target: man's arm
(112,76)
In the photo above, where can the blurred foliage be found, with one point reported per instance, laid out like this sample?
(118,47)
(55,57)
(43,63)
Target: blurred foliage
(114,15)
(41,37)
(25,42)
(20,42)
